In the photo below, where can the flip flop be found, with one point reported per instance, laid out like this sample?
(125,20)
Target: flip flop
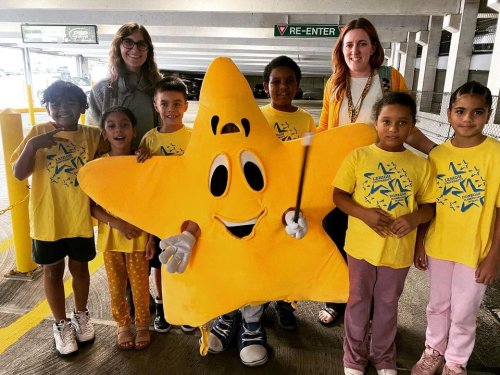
(333,314)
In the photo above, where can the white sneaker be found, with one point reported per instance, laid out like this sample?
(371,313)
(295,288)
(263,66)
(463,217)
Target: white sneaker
(252,344)
(84,329)
(352,371)
(387,371)
(64,338)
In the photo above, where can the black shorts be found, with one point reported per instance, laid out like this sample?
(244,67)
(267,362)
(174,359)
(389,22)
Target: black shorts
(154,262)
(80,249)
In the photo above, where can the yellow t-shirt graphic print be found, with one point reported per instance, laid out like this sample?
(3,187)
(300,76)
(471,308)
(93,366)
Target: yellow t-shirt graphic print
(64,161)
(396,182)
(288,125)
(467,191)
(388,187)
(462,187)
(166,144)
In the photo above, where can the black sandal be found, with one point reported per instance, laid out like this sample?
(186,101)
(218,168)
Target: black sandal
(333,314)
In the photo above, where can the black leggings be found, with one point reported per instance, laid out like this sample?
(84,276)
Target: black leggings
(335,225)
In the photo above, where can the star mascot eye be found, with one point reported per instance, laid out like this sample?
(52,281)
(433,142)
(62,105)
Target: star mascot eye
(252,170)
(219,175)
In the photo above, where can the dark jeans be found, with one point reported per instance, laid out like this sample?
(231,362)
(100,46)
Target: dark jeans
(335,225)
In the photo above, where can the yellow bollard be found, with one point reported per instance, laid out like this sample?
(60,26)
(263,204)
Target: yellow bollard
(12,134)
(31,109)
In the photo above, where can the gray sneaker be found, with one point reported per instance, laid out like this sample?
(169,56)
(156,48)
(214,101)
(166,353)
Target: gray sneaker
(83,327)
(430,363)
(64,338)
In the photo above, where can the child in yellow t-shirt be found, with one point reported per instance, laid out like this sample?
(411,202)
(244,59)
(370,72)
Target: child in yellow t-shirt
(281,81)
(124,245)
(60,222)
(171,138)
(461,251)
(386,191)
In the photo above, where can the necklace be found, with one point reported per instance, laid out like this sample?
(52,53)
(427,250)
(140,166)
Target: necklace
(353,110)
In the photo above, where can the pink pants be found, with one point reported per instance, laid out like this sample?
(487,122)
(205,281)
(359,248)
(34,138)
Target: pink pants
(384,286)
(454,302)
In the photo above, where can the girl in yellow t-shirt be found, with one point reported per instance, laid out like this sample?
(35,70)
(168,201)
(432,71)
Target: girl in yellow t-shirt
(461,251)
(386,191)
(126,255)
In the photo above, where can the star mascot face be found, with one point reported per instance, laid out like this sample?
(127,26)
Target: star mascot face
(235,180)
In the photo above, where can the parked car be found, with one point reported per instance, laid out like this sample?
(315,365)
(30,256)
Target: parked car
(313,94)
(259,92)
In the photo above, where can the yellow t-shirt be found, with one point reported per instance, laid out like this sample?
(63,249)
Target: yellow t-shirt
(288,125)
(393,181)
(111,239)
(58,207)
(165,144)
(467,194)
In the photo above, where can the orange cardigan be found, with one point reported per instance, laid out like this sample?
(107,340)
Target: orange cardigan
(329,117)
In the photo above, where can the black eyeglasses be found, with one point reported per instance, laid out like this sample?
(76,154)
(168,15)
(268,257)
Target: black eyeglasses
(129,44)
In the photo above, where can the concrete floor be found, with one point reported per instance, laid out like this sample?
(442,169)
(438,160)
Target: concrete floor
(26,343)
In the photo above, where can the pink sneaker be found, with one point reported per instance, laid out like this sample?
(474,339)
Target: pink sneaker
(430,363)
(454,370)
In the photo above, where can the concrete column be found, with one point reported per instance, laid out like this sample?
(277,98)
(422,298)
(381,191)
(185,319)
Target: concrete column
(463,28)
(390,53)
(494,76)
(408,52)
(396,56)
(402,57)
(429,60)
(83,66)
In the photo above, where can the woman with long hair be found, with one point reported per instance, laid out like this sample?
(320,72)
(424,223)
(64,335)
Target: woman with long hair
(132,75)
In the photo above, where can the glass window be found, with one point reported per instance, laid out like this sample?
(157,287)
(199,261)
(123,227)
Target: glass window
(13,92)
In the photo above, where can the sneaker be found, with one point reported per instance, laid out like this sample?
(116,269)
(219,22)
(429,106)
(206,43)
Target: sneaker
(454,370)
(82,325)
(187,329)
(222,333)
(252,344)
(387,371)
(65,338)
(286,316)
(352,371)
(160,324)
(430,363)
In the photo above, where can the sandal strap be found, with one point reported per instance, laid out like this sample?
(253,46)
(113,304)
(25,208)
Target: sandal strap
(124,335)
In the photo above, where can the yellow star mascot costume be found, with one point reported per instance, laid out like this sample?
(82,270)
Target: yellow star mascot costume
(235,180)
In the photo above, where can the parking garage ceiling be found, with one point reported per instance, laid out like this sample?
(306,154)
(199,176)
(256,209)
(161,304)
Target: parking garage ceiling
(188,34)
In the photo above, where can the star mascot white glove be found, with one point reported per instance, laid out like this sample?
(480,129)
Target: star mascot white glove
(176,251)
(297,230)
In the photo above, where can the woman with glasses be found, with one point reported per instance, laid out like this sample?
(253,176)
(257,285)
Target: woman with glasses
(132,76)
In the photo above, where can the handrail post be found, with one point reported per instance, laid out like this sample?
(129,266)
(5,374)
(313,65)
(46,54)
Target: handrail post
(12,135)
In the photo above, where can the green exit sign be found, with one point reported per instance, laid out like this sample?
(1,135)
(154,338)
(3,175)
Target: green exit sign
(307,31)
